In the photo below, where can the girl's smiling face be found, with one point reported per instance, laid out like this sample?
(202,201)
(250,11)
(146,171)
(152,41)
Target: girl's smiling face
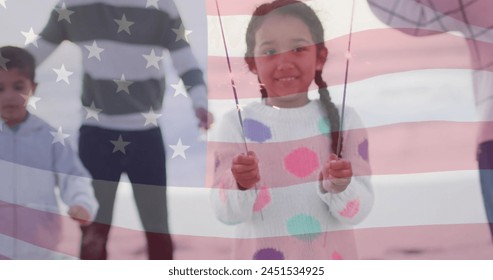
(285,60)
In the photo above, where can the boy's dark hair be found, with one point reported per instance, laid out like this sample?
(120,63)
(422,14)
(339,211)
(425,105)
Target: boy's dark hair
(306,14)
(18,58)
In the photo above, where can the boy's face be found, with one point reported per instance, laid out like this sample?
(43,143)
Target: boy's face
(15,89)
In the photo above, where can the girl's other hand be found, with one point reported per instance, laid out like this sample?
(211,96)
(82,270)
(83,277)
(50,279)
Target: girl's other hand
(336,174)
(245,170)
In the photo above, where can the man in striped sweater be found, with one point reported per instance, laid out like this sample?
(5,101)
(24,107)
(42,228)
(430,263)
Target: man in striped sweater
(122,42)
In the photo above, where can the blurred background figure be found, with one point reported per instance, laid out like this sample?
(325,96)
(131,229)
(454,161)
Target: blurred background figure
(472,19)
(122,93)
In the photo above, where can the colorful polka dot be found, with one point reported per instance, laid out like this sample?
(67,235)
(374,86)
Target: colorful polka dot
(324,126)
(301,162)
(217,162)
(268,254)
(263,199)
(256,131)
(351,209)
(363,150)
(303,227)
(336,256)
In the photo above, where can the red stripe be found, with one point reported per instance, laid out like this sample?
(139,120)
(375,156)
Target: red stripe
(447,242)
(423,147)
(404,148)
(374,52)
(384,242)
(232,8)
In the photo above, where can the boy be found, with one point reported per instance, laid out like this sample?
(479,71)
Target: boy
(32,162)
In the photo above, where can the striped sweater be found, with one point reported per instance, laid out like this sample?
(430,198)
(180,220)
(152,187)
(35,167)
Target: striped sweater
(122,43)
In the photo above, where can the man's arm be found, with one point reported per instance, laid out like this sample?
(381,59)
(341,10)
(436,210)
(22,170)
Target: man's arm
(49,39)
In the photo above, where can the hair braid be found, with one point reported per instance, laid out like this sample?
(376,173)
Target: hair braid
(330,110)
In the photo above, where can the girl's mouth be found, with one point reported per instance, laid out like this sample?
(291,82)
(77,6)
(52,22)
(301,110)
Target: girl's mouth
(286,79)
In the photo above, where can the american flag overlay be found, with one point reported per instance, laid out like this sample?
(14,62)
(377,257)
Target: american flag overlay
(420,79)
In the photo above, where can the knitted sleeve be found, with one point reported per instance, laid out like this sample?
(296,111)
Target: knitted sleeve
(50,38)
(354,204)
(184,61)
(231,205)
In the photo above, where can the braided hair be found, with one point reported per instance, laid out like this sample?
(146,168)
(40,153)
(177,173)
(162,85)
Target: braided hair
(306,14)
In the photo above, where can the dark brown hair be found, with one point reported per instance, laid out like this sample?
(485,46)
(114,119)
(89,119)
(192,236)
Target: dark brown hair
(18,58)
(306,14)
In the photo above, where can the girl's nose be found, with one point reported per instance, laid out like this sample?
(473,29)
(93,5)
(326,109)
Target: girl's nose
(285,62)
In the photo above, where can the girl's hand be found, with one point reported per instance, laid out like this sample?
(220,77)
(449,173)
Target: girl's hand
(336,174)
(80,214)
(245,170)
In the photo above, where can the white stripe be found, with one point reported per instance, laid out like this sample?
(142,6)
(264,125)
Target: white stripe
(234,33)
(396,98)
(438,198)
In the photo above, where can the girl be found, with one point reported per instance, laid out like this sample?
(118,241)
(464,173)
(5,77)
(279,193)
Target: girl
(291,187)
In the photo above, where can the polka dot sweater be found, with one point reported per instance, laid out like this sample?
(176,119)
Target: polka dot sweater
(288,215)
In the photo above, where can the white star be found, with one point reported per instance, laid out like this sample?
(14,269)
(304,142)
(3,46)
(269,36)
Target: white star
(152,59)
(92,112)
(31,37)
(3,62)
(179,149)
(153,3)
(94,51)
(31,101)
(180,89)
(62,74)
(182,33)
(59,136)
(2,2)
(151,117)
(119,145)
(64,13)
(124,24)
(123,84)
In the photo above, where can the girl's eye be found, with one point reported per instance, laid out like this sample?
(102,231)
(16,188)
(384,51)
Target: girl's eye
(269,52)
(299,49)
